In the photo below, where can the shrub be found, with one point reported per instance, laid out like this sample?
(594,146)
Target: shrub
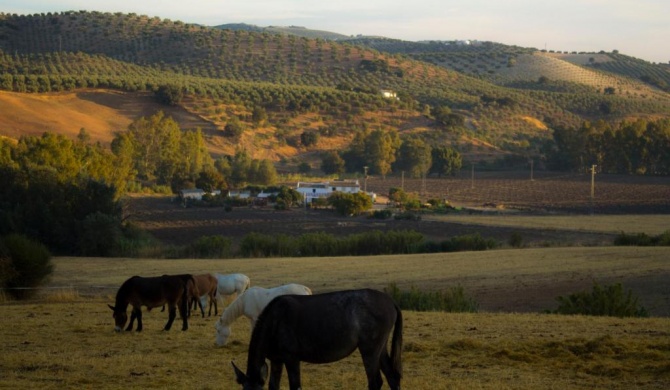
(453,300)
(602,301)
(29,265)
(382,214)
(516,240)
(468,242)
(642,239)
(209,247)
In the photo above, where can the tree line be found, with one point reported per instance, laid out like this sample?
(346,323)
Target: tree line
(633,147)
(67,193)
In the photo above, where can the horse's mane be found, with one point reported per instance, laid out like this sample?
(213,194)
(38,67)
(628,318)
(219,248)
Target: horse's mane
(233,311)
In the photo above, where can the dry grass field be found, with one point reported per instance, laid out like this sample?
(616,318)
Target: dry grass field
(64,338)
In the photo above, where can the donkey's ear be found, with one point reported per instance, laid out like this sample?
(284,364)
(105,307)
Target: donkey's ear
(239,375)
(111,307)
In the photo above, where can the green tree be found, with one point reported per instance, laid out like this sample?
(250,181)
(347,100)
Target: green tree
(170,95)
(267,173)
(258,115)
(309,138)
(210,180)
(332,163)
(239,168)
(445,161)
(304,168)
(380,150)
(350,204)
(234,128)
(414,156)
(289,197)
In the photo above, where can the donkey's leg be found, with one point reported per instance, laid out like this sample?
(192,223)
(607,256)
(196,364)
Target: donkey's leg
(293,371)
(201,306)
(138,315)
(371,363)
(386,366)
(276,368)
(172,313)
(132,319)
(212,302)
(183,311)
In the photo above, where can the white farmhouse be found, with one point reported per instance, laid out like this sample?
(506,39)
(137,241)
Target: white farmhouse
(311,191)
(195,194)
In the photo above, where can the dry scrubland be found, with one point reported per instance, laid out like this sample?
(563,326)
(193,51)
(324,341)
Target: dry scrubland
(64,338)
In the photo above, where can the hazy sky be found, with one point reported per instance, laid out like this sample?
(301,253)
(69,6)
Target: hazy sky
(639,28)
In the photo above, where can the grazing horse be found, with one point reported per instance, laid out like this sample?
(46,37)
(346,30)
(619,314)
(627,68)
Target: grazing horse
(152,292)
(230,284)
(324,328)
(205,287)
(250,304)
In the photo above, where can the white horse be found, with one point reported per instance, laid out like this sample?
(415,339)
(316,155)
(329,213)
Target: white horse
(230,284)
(250,304)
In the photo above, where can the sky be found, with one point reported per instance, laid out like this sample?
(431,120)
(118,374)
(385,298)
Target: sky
(639,28)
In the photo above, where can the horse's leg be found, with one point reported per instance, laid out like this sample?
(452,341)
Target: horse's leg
(172,313)
(183,309)
(276,368)
(293,372)
(138,315)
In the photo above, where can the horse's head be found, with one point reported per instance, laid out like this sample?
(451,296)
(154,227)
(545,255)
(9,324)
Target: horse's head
(246,382)
(222,334)
(120,318)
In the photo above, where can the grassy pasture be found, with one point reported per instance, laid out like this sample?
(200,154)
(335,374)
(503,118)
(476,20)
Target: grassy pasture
(72,345)
(64,338)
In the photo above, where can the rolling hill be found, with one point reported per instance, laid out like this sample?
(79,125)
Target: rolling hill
(62,70)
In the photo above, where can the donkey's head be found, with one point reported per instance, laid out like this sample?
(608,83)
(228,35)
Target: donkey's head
(249,383)
(120,318)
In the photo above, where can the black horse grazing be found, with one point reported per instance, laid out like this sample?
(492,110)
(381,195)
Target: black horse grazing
(324,328)
(152,292)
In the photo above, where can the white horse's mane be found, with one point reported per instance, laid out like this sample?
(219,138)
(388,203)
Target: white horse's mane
(234,310)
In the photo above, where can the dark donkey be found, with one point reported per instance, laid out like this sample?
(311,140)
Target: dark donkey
(152,292)
(324,328)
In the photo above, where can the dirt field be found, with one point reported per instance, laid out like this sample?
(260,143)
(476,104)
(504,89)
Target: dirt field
(500,193)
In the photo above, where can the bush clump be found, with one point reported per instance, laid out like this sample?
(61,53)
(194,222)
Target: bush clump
(209,247)
(25,265)
(453,300)
(643,239)
(602,301)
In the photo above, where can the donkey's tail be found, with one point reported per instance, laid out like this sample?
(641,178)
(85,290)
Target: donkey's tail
(396,345)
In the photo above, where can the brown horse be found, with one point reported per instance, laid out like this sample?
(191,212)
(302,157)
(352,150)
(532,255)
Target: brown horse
(324,328)
(205,287)
(173,290)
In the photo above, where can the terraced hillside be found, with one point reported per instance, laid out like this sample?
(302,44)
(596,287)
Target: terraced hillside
(315,85)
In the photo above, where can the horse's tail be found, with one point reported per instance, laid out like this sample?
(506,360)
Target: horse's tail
(396,345)
(189,286)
